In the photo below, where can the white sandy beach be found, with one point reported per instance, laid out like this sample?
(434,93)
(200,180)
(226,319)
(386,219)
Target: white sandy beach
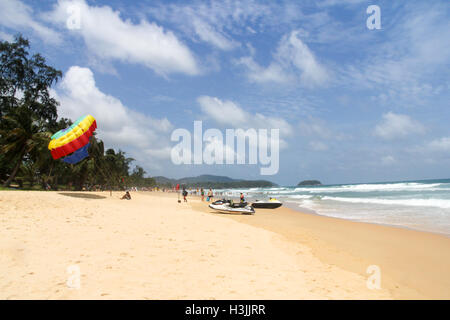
(153,248)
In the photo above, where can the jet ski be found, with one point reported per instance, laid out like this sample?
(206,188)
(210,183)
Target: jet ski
(221,201)
(229,206)
(272,203)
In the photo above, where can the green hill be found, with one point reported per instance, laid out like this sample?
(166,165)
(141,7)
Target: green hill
(211,181)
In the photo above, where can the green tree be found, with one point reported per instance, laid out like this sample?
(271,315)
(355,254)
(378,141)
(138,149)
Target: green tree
(26,107)
(27,132)
(118,166)
(26,80)
(29,171)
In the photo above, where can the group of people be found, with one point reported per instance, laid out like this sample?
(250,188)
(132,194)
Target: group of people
(209,197)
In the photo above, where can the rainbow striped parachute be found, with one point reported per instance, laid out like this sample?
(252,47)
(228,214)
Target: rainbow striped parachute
(71,144)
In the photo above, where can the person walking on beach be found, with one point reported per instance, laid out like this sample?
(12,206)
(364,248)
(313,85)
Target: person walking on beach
(185,193)
(203,194)
(242,198)
(210,195)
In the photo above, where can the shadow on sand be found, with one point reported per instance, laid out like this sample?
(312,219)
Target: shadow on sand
(232,213)
(82,195)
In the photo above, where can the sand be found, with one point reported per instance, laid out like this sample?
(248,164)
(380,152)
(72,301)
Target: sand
(152,247)
(413,264)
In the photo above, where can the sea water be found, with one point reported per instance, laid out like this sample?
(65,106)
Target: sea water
(422,205)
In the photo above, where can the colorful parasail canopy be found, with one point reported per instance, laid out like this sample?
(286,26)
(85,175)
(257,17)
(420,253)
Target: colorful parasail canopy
(71,144)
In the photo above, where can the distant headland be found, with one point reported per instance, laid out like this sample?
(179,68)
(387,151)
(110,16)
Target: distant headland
(211,181)
(309,183)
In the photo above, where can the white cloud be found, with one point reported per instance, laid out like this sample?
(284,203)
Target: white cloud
(434,151)
(6,36)
(108,36)
(216,22)
(273,73)
(293,51)
(16,15)
(293,62)
(408,63)
(118,125)
(320,134)
(316,128)
(230,114)
(397,126)
(327,3)
(388,160)
(442,144)
(207,33)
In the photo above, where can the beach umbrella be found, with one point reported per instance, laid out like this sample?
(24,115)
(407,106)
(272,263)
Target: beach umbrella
(71,144)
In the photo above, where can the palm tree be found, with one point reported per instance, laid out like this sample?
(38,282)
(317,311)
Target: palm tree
(118,165)
(21,132)
(97,155)
(28,171)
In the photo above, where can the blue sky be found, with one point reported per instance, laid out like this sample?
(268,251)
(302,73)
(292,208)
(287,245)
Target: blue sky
(352,104)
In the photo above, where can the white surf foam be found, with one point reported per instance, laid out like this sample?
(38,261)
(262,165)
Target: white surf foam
(439,203)
(408,186)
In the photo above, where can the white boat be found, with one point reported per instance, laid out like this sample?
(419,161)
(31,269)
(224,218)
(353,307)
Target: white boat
(230,207)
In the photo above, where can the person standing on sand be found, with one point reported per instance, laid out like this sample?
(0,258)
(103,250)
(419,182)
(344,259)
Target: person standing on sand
(242,198)
(203,194)
(185,193)
(210,195)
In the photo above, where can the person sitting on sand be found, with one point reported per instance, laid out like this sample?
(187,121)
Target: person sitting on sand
(126,196)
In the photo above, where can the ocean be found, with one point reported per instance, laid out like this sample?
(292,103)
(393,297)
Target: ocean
(421,205)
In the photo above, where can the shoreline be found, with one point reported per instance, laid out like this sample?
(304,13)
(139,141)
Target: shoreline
(296,207)
(312,212)
(354,245)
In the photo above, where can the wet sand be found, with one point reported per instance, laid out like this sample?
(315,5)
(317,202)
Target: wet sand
(413,264)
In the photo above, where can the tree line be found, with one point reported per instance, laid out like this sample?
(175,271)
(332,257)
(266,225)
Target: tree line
(28,118)
(242,184)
